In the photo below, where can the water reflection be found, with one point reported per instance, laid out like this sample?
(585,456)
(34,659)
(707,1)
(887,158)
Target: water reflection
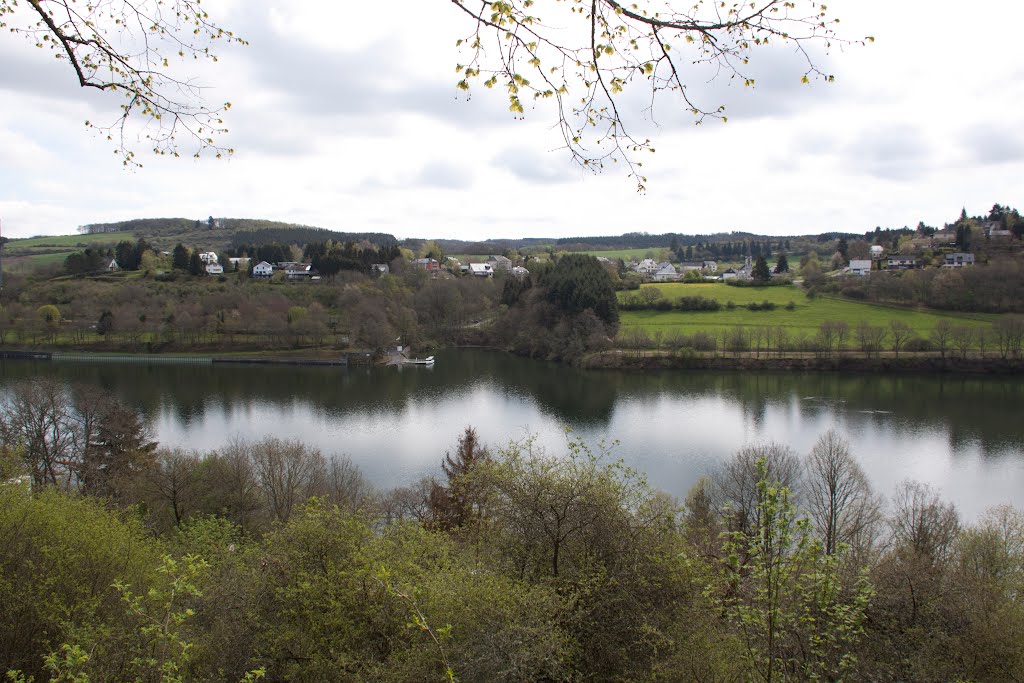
(959,433)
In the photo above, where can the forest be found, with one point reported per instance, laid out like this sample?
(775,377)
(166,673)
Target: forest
(120,560)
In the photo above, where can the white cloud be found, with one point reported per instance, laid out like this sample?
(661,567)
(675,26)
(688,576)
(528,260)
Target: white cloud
(344,120)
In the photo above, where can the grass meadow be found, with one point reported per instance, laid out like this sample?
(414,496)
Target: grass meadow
(629,254)
(36,252)
(805,317)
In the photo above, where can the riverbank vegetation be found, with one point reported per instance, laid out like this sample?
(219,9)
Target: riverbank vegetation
(785,322)
(564,308)
(270,559)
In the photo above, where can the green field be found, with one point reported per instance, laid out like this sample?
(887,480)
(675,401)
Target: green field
(69,242)
(37,252)
(628,254)
(806,316)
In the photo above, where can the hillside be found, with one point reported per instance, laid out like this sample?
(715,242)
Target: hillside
(217,234)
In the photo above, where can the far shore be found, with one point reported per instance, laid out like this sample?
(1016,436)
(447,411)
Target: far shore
(617,359)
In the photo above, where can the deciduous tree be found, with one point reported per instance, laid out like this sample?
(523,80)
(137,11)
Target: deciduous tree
(604,48)
(125,49)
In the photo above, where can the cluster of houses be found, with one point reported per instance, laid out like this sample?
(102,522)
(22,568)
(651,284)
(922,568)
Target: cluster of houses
(863,267)
(708,270)
(488,268)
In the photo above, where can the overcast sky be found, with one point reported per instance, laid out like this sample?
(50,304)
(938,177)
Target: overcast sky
(343,117)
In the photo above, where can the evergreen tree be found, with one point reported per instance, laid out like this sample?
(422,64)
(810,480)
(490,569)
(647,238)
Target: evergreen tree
(782,265)
(579,282)
(761,272)
(180,257)
(195,265)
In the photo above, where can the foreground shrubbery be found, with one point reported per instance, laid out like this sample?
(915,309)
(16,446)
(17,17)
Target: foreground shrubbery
(517,565)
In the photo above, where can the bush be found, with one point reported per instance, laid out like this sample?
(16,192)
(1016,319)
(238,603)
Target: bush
(774,282)
(662,305)
(791,306)
(730,305)
(917,344)
(703,341)
(763,306)
(855,293)
(697,303)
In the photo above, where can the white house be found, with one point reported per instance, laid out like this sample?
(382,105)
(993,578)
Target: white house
(262,269)
(380,268)
(113,267)
(519,271)
(958,260)
(646,267)
(214,269)
(729,274)
(481,269)
(666,273)
(300,271)
(901,262)
(711,266)
(860,267)
(877,251)
(208,256)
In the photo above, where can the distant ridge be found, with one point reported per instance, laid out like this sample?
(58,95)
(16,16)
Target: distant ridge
(222,233)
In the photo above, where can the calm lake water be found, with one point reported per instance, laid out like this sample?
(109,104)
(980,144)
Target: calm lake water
(964,435)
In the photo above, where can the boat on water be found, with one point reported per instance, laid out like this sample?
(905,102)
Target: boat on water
(429,360)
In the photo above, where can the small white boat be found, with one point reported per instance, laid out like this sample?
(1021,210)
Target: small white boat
(429,360)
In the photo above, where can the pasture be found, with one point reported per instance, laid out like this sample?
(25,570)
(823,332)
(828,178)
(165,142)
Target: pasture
(805,318)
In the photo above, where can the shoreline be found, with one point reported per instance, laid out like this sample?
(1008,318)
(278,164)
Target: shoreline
(846,362)
(604,360)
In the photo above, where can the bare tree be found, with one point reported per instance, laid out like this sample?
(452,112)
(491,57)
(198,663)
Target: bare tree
(344,484)
(124,49)
(735,490)
(288,473)
(605,47)
(174,482)
(940,336)
(899,333)
(924,524)
(870,337)
(827,336)
(963,338)
(232,486)
(781,339)
(38,416)
(839,498)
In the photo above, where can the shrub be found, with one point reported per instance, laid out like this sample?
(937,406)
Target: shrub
(791,306)
(763,306)
(697,303)
(917,345)
(730,305)
(703,341)
(662,305)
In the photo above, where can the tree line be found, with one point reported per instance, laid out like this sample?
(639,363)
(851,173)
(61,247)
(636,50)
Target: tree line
(1003,339)
(270,560)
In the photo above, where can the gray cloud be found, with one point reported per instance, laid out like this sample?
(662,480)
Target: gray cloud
(993,143)
(433,174)
(365,82)
(443,175)
(534,167)
(777,91)
(897,152)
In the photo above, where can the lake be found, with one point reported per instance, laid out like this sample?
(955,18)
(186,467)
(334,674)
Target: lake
(961,434)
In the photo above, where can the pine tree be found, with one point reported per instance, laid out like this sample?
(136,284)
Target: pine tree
(760,271)
(195,265)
